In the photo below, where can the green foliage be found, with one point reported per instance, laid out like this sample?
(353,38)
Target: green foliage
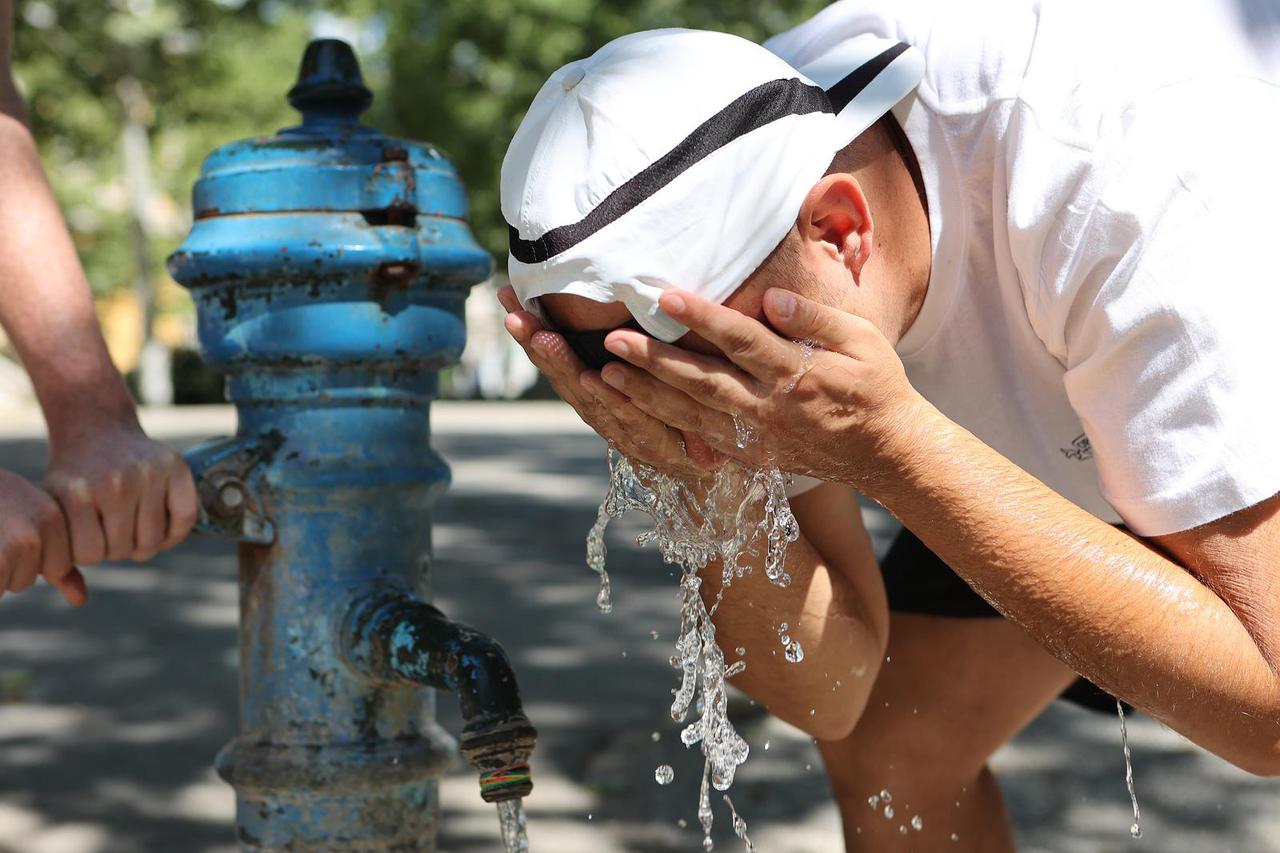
(458,73)
(463,72)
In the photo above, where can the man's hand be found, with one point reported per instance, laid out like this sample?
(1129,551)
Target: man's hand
(33,541)
(124,495)
(635,434)
(828,412)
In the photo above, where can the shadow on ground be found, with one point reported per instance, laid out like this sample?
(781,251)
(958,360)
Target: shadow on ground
(114,714)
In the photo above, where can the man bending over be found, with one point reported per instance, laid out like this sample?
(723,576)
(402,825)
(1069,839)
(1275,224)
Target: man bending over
(998,266)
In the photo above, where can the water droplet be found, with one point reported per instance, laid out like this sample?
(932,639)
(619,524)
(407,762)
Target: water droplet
(655,737)
(888,812)
(902,829)
(664,774)
(1135,829)
(916,823)
(955,837)
(624,654)
(886,796)
(740,650)
(653,635)
(766,746)
(873,801)
(808,767)
(794,653)
(682,823)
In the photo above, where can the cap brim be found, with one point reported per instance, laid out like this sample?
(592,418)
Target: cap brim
(865,78)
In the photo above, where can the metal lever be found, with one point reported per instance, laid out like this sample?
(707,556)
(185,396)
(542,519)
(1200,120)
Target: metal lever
(227,473)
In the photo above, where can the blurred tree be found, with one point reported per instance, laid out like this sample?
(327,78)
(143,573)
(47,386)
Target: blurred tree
(463,72)
(127,96)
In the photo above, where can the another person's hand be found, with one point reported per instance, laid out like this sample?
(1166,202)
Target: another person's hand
(842,412)
(124,495)
(34,541)
(636,435)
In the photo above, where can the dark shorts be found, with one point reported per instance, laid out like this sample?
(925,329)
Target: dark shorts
(917,581)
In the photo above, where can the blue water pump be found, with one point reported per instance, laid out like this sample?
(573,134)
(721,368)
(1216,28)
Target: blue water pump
(329,265)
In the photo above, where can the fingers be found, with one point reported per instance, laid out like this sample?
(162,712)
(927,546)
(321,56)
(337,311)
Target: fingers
(803,319)
(507,296)
(181,503)
(703,378)
(745,341)
(55,565)
(118,506)
(88,543)
(151,522)
(638,435)
(20,553)
(73,588)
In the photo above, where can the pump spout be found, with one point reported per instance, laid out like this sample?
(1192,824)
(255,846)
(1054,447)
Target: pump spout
(393,638)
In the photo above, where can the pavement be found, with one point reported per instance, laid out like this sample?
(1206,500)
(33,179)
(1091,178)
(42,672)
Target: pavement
(110,717)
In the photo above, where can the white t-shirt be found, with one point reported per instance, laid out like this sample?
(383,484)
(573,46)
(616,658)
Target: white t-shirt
(1103,181)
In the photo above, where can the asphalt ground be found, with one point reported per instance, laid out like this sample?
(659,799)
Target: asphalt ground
(110,717)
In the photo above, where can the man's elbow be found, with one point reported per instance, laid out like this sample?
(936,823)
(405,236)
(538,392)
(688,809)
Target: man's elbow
(1258,754)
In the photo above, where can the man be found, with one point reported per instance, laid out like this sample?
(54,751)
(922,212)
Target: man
(1037,283)
(110,492)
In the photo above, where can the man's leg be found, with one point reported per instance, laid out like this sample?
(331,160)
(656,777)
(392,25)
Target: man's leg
(952,691)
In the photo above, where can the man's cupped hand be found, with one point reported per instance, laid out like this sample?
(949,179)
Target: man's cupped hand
(838,407)
(638,436)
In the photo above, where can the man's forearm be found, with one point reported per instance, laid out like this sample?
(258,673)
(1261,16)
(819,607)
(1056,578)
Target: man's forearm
(45,304)
(843,644)
(1110,607)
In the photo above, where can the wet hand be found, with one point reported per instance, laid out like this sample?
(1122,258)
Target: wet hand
(124,496)
(835,411)
(34,541)
(636,435)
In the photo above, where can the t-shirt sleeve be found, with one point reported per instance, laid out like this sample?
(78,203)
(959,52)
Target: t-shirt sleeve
(1167,318)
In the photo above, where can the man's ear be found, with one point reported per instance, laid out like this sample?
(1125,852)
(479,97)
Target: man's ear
(836,220)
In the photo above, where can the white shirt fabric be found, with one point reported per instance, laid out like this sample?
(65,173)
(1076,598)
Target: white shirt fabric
(1103,181)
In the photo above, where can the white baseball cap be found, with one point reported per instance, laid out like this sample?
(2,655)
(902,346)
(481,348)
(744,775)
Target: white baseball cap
(679,159)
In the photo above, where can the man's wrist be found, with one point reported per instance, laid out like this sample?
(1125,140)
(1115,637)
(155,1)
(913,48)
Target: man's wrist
(909,434)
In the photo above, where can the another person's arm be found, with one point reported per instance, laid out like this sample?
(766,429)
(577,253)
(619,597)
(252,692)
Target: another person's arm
(123,495)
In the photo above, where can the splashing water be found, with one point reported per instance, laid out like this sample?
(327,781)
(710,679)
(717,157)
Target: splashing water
(791,648)
(742,513)
(515,837)
(596,552)
(743,434)
(739,825)
(1135,829)
(806,356)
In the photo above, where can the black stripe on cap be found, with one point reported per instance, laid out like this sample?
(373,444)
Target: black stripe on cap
(852,85)
(758,107)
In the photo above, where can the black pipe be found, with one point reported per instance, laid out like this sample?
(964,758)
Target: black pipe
(396,639)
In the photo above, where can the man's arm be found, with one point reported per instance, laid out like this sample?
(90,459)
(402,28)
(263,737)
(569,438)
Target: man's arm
(835,608)
(1201,658)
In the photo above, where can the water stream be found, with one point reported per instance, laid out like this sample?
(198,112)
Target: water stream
(1136,828)
(515,837)
(740,511)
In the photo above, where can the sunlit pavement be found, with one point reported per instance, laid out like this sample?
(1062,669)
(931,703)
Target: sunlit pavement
(109,718)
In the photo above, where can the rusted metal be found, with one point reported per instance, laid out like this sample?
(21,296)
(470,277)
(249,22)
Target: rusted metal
(329,266)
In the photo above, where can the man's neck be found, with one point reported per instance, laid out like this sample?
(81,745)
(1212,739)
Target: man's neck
(902,229)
